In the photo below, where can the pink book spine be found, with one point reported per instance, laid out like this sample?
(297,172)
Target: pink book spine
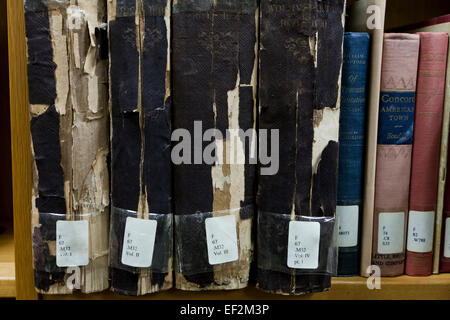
(397,102)
(426,152)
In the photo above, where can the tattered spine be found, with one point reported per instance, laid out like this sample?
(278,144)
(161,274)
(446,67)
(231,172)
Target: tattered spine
(140,102)
(300,70)
(214,79)
(69,128)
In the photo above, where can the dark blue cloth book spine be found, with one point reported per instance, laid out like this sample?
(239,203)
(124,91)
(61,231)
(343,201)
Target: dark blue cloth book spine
(351,150)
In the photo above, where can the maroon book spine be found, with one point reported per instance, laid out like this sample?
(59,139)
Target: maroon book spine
(426,152)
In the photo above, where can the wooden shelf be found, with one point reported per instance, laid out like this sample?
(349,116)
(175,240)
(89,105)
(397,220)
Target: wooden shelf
(7,264)
(436,287)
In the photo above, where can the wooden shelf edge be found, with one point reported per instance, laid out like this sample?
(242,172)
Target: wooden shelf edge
(435,287)
(20,149)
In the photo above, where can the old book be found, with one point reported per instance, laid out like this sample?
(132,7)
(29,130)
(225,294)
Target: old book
(395,136)
(368,16)
(426,152)
(140,101)
(440,24)
(69,127)
(300,72)
(351,149)
(214,94)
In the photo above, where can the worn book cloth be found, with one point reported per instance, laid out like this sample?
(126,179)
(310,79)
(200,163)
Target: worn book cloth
(140,101)
(67,79)
(214,62)
(299,97)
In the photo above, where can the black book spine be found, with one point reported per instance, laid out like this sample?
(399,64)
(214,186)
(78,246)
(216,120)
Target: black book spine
(214,83)
(300,66)
(141,128)
(45,133)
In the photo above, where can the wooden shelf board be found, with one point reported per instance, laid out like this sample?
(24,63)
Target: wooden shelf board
(7,265)
(436,287)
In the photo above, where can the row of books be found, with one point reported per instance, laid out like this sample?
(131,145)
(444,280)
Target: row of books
(113,86)
(393,199)
(118,90)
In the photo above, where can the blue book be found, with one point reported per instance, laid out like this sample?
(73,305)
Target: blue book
(351,150)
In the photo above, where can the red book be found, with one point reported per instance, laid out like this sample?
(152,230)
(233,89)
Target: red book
(426,152)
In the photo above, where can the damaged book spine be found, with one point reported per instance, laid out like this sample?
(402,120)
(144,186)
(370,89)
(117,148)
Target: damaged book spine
(69,127)
(214,92)
(299,97)
(140,102)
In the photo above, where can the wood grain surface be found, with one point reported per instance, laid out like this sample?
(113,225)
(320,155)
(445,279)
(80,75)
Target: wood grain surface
(20,151)
(436,287)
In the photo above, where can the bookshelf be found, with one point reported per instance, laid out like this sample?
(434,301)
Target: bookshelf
(15,243)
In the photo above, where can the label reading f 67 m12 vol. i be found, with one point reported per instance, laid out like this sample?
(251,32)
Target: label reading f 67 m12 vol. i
(72,243)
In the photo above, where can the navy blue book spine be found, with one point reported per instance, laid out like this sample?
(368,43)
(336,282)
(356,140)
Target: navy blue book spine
(351,150)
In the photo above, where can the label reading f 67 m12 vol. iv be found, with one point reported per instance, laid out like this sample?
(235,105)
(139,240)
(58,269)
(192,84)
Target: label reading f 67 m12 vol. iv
(303,245)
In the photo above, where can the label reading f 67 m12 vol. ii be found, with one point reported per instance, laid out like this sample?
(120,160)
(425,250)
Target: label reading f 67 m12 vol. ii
(303,245)
(139,242)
